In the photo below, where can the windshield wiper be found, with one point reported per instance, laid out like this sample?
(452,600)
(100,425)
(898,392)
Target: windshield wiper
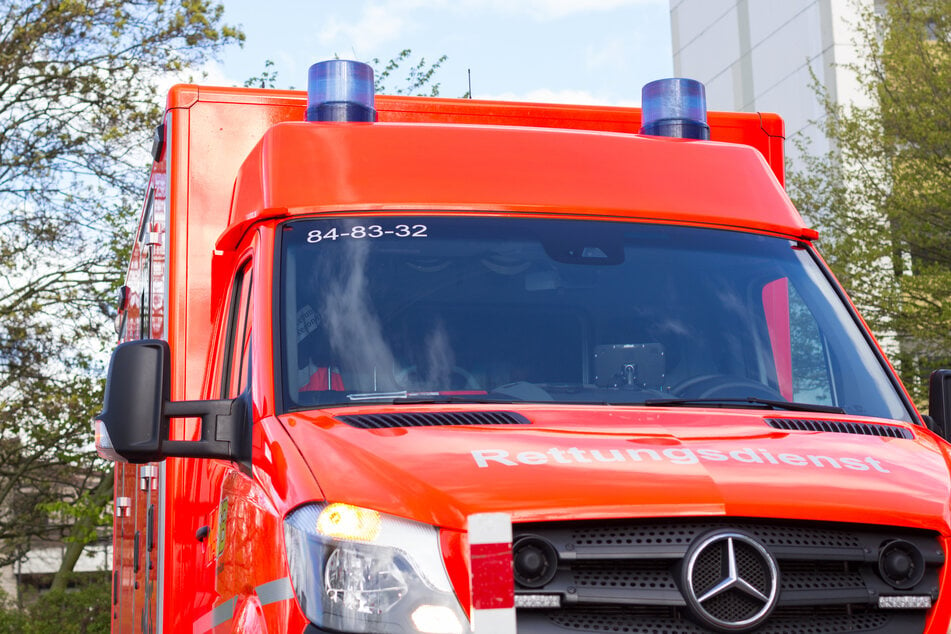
(375,396)
(423,398)
(450,398)
(727,402)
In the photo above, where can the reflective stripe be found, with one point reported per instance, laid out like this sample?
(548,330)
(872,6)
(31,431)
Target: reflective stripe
(274,591)
(224,612)
(501,621)
(202,624)
(268,593)
(490,575)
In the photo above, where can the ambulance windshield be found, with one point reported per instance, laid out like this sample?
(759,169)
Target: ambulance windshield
(489,309)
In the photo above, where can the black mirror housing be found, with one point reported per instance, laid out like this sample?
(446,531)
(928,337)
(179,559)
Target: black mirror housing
(939,401)
(137,386)
(137,410)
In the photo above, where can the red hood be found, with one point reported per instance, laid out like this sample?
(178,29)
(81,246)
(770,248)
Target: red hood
(595,462)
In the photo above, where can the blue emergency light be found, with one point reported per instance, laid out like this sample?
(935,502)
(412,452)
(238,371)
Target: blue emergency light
(340,90)
(675,107)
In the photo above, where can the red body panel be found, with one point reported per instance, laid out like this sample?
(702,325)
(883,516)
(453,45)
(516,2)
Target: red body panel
(628,462)
(503,169)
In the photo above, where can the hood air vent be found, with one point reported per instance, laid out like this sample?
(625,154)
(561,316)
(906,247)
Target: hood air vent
(842,427)
(432,419)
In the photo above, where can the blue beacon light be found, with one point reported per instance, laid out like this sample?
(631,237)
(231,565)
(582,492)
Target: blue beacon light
(675,108)
(340,90)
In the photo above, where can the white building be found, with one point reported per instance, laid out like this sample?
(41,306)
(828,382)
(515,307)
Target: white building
(37,569)
(756,55)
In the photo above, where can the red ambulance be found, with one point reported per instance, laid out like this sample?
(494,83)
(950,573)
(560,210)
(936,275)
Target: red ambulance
(413,365)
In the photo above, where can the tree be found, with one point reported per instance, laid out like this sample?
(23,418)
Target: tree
(78,101)
(419,79)
(882,197)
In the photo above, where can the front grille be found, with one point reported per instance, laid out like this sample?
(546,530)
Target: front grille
(631,577)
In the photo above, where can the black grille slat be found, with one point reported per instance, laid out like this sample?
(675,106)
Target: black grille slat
(839,426)
(624,575)
(432,419)
(659,621)
(671,539)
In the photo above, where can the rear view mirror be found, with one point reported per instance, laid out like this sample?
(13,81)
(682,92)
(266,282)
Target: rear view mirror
(134,423)
(137,386)
(939,402)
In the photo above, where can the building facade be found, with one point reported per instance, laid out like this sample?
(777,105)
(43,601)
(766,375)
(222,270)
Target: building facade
(762,55)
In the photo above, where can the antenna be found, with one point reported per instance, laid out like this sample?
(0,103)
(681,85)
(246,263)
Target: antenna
(469,71)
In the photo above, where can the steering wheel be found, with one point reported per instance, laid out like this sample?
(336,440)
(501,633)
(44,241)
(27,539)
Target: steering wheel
(724,386)
(468,381)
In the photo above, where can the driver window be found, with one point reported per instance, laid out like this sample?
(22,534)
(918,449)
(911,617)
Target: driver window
(237,353)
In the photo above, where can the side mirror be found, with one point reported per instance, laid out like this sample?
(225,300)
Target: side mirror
(134,423)
(939,402)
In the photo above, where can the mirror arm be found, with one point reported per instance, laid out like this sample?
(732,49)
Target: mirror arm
(223,429)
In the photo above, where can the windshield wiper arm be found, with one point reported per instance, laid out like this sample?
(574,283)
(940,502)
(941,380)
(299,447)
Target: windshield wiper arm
(726,402)
(450,398)
(403,396)
(375,396)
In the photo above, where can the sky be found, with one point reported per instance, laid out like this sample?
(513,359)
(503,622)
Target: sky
(568,51)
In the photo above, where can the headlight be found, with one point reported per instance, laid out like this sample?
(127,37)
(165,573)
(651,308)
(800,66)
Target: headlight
(358,570)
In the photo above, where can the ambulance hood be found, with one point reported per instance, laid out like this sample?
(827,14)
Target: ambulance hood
(574,462)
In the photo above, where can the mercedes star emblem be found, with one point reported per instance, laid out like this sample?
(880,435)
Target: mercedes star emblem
(730,581)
